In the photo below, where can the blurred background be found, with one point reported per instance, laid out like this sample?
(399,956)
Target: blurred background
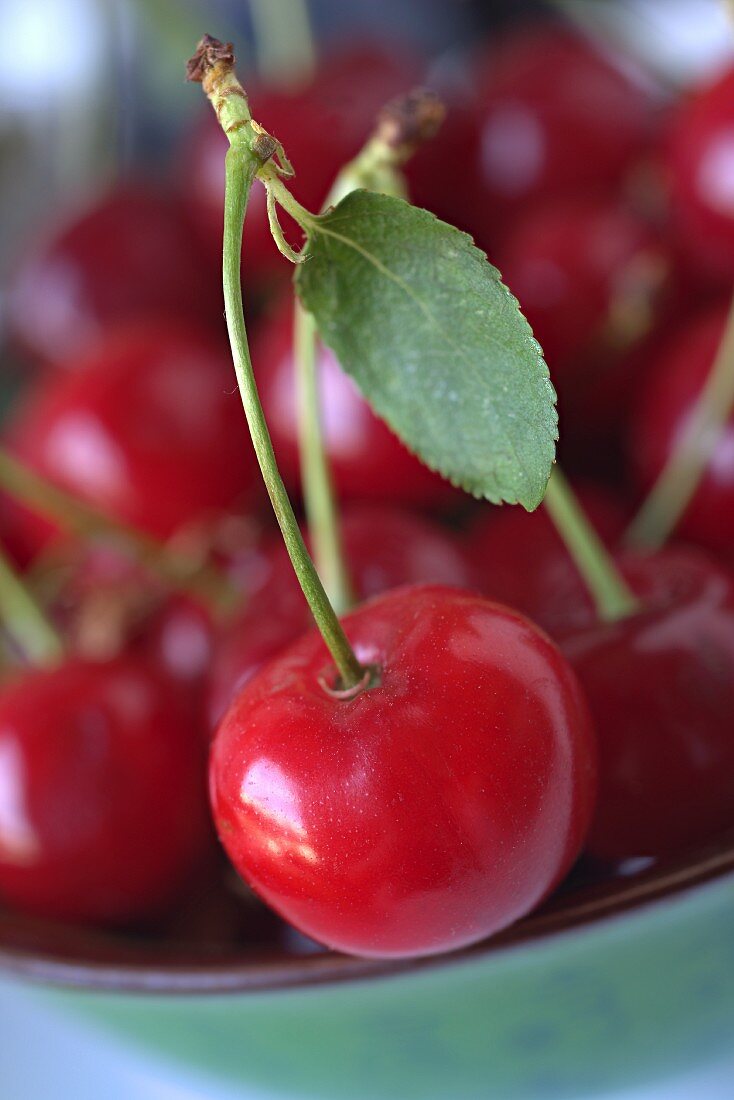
(94,109)
(92,89)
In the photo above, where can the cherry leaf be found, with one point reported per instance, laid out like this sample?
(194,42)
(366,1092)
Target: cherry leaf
(437,344)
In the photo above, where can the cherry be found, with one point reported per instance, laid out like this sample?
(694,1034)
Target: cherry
(367,461)
(131,256)
(321,126)
(521,560)
(672,384)
(384,548)
(697,163)
(423,813)
(556,118)
(434,181)
(178,639)
(660,685)
(146,427)
(102,800)
(590,276)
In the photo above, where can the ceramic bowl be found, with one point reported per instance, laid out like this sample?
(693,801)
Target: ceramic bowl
(612,983)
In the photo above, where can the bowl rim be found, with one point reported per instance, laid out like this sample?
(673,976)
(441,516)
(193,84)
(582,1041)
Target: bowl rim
(193,973)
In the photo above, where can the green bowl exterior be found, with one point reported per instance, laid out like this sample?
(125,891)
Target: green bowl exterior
(621,1001)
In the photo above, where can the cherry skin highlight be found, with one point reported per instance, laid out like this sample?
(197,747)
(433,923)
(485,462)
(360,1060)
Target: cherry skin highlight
(367,460)
(147,428)
(662,408)
(102,794)
(130,257)
(660,685)
(520,560)
(426,812)
(384,548)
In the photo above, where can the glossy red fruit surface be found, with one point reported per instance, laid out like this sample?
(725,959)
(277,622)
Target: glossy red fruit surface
(384,548)
(660,685)
(698,165)
(131,256)
(147,428)
(663,406)
(590,278)
(556,118)
(425,813)
(321,125)
(368,462)
(520,560)
(102,795)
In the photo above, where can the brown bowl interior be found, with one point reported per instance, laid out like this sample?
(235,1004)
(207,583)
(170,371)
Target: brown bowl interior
(208,952)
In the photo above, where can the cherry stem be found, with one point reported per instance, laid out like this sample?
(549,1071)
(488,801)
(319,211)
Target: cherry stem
(284,41)
(608,589)
(24,619)
(677,483)
(318,489)
(253,151)
(241,166)
(402,126)
(205,584)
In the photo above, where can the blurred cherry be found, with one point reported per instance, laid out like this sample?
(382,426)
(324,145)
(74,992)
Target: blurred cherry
(698,162)
(591,277)
(130,256)
(520,560)
(556,118)
(660,685)
(663,404)
(146,427)
(102,794)
(368,462)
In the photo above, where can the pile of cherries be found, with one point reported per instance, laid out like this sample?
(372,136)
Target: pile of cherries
(456,791)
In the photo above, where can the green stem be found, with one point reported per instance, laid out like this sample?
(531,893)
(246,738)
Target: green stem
(674,489)
(608,589)
(203,583)
(306,220)
(284,41)
(401,128)
(24,620)
(318,489)
(241,167)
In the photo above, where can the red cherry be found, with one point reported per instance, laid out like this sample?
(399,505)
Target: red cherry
(178,638)
(660,685)
(434,173)
(556,118)
(384,548)
(321,126)
(698,163)
(520,560)
(672,384)
(368,462)
(130,257)
(431,810)
(102,801)
(147,428)
(590,276)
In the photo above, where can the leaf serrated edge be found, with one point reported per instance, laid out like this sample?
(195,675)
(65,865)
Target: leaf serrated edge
(552,433)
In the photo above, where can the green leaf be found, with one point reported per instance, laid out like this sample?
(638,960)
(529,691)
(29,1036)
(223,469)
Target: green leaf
(422,322)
